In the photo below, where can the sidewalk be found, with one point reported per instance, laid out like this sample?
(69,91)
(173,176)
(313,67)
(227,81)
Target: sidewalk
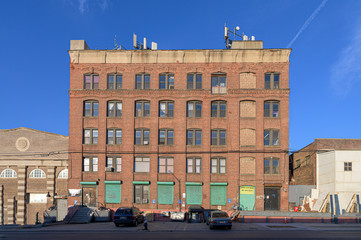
(184,227)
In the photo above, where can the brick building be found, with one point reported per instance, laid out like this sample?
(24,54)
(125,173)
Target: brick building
(150,127)
(33,173)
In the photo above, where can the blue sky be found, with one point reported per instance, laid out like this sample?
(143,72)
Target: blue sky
(325,69)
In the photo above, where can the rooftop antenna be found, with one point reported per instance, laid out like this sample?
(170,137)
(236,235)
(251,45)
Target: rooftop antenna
(116,46)
(227,39)
(143,46)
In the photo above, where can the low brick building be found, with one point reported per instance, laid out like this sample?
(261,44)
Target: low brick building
(33,173)
(165,129)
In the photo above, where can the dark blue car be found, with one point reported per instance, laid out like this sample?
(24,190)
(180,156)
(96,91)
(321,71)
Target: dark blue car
(130,216)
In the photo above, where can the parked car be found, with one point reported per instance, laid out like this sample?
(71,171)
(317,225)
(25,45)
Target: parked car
(219,219)
(207,214)
(131,216)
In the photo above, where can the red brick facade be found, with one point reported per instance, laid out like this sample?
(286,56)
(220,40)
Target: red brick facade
(239,151)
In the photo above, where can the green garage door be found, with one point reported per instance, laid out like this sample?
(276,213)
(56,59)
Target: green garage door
(193,193)
(219,193)
(247,198)
(165,192)
(112,191)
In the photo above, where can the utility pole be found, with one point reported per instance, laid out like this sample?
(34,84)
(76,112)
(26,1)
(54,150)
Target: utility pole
(179,190)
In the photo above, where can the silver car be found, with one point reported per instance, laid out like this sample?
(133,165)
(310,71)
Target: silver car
(219,219)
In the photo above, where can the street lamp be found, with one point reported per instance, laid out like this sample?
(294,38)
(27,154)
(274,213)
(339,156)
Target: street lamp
(179,189)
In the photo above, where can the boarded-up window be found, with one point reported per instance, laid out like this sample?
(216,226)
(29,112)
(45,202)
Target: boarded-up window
(247,166)
(247,80)
(247,137)
(247,109)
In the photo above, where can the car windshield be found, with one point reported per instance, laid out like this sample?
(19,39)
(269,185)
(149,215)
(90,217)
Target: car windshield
(220,215)
(124,212)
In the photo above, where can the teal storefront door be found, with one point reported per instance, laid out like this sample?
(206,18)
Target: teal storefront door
(247,198)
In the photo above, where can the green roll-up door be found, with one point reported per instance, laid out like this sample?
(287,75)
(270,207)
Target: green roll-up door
(194,194)
(165,192)
(218,195)
(112,192)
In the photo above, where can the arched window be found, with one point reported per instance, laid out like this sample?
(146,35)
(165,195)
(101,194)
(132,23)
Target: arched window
(37,173)
(8,173)
(63,174)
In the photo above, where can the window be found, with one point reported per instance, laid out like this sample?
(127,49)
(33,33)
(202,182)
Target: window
(271,137)
(114,136)
(37,173)
(142,136)
(219,83)
(347,166)
(166,109)
(194,81)
(91,108)
(115,109)
(115,81)
(141,164)
(8,173)
(142,81)
(166,137)
(194,109)
(271,80)
(63,174)
(219,109)
(166,81)
(90,164)
(193,165)
(271,165)
(218,137)
(90,136)
(308,160)
(114,164)
(218,165)
(141,193)
(165,165)
(91,81)
(142,108)
(194,137)
(271,109)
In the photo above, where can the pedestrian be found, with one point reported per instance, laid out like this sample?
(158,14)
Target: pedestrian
(145,225)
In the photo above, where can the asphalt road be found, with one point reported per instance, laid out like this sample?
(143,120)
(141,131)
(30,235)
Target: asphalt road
(217,234)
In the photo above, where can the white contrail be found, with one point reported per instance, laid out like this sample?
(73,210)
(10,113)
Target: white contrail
(308,21)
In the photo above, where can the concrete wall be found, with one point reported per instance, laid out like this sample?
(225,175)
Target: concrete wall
(326,172)
(296,192)
(348,181)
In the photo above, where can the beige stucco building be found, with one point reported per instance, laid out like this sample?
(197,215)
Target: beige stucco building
(33,173)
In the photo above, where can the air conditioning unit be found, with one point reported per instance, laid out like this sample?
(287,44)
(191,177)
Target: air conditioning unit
(109,169)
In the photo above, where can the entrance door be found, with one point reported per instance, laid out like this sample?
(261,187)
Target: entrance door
(247,198)
(272,198)
(90,196)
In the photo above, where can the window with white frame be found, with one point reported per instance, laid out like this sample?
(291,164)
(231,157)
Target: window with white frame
(114,164)
(90,136)
(90,164)
(115,109)
(8,173)
(141,164)
(193,165)
(37,173)
(165,165)
(218,165)
(63,174)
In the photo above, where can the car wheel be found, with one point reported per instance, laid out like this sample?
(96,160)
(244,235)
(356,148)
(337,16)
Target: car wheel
(117,224)
(211,228)
(230,227)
